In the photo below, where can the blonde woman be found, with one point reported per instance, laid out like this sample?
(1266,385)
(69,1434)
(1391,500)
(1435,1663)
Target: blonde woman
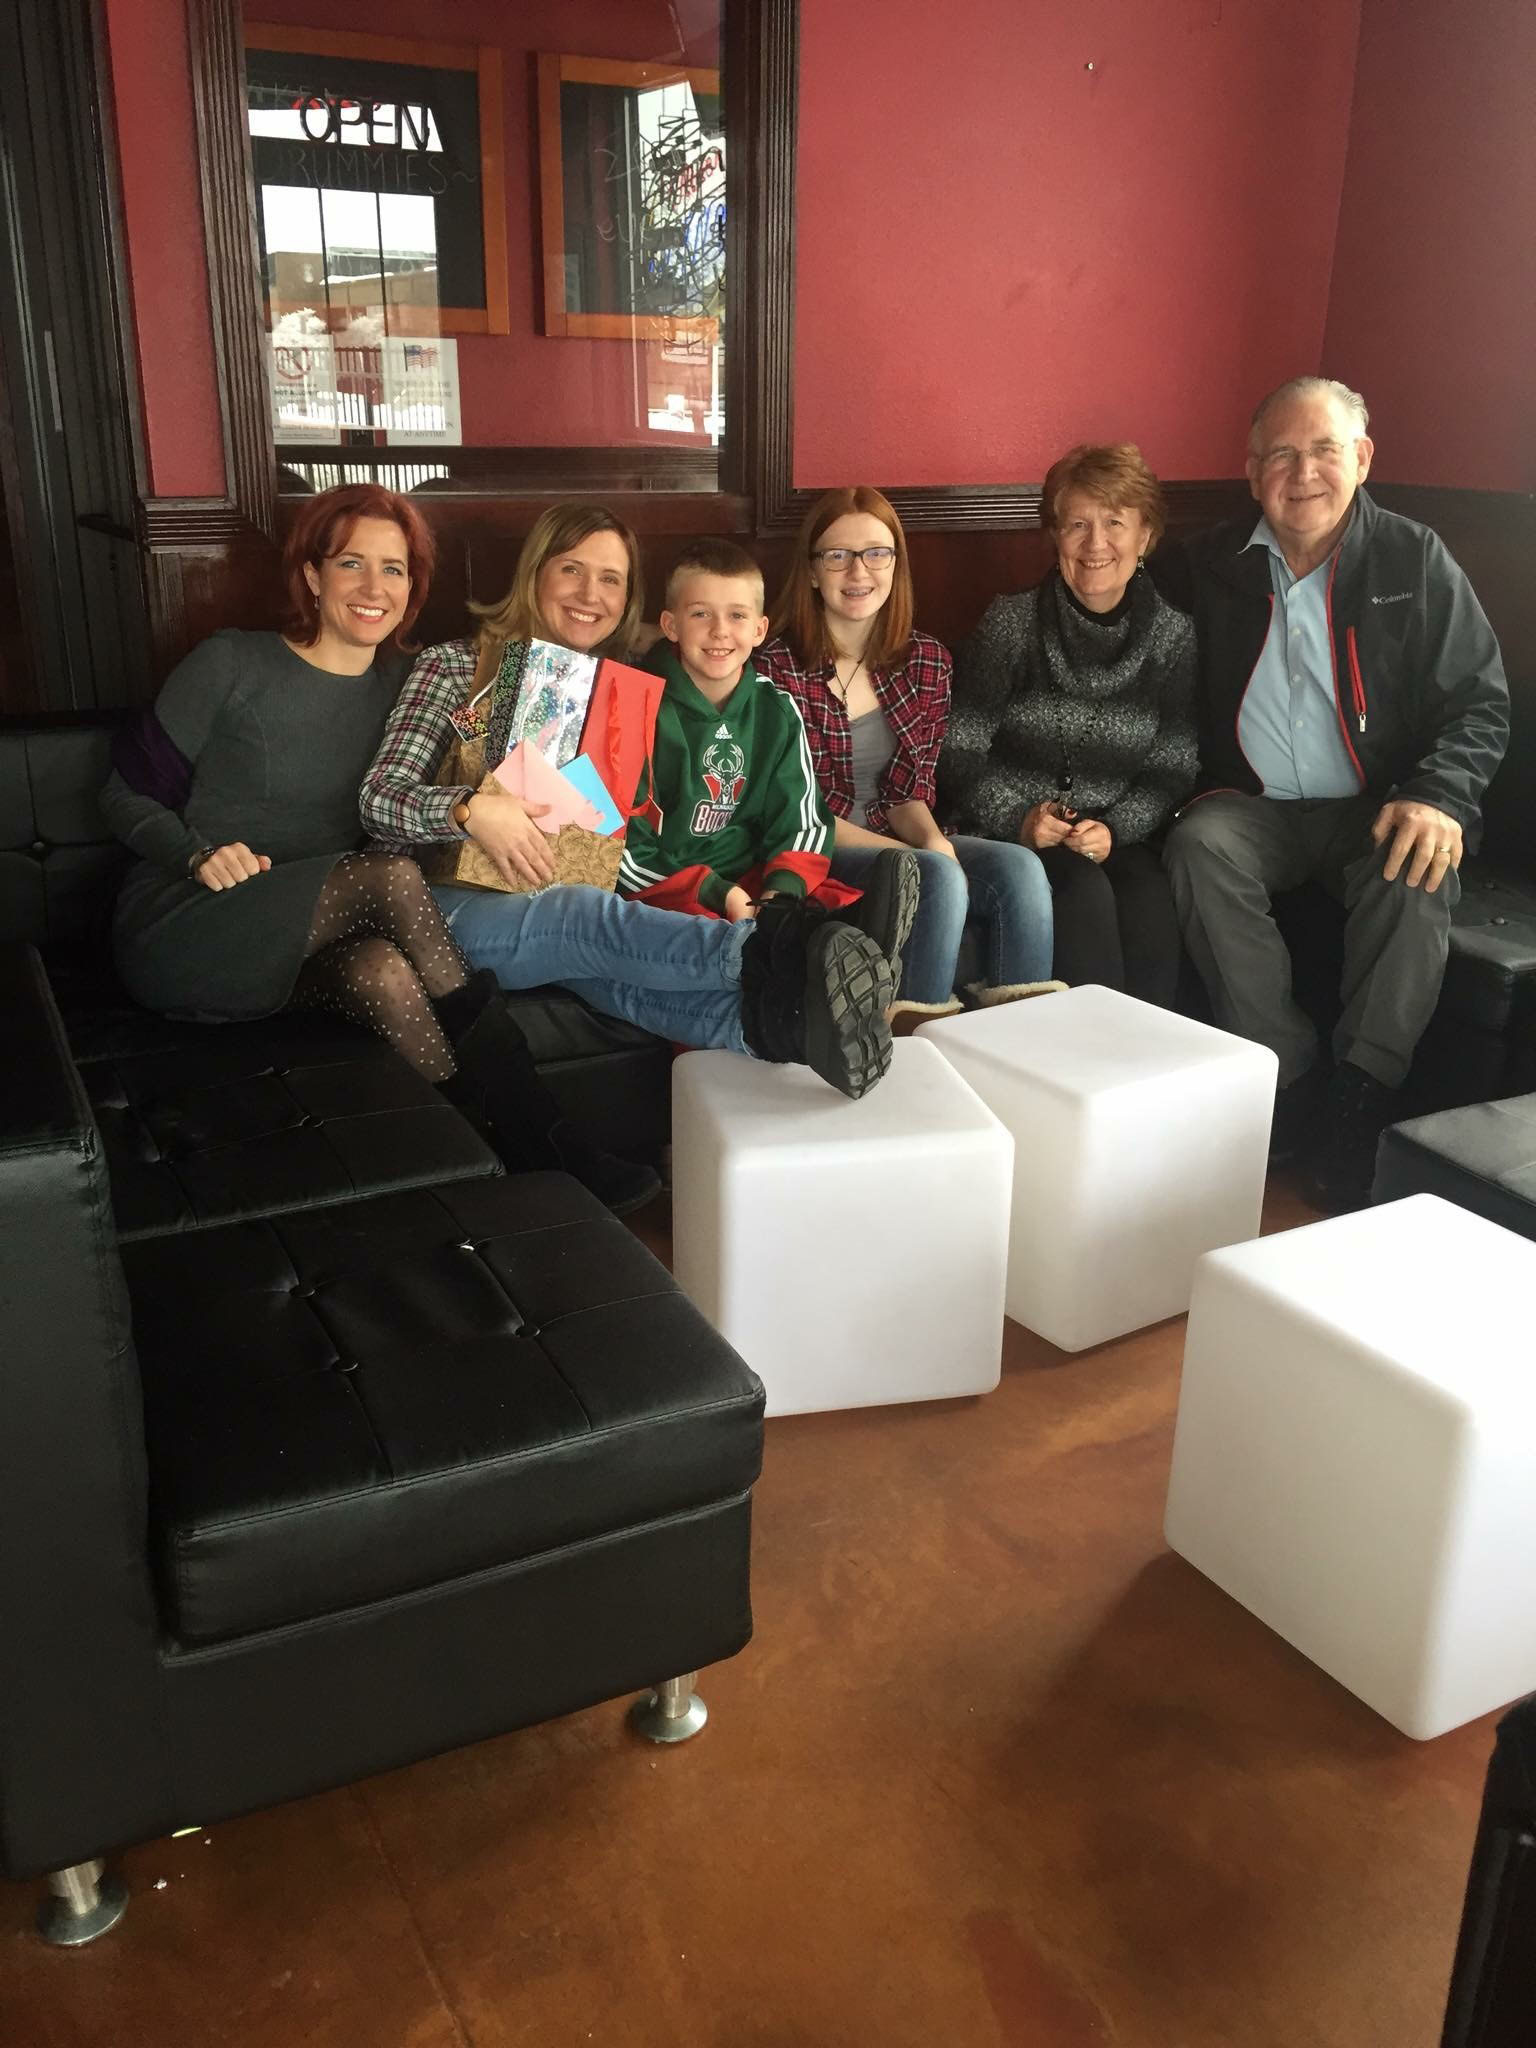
(791,985)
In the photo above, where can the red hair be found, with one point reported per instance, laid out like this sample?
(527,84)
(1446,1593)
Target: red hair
(798,614)
(323,525)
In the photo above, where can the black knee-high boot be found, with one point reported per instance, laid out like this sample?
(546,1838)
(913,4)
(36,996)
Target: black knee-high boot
(498,1084)
(816,990)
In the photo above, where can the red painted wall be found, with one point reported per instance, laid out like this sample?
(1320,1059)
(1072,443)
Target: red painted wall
(1433,309)
(163,221)
(1002,251)
(523,389)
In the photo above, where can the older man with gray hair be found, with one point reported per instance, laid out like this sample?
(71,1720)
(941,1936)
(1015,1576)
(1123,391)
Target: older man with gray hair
(1352,710)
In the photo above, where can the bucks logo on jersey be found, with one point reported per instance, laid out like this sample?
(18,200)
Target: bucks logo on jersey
(723,771)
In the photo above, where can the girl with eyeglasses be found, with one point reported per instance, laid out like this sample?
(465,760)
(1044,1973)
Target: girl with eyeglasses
(874,695)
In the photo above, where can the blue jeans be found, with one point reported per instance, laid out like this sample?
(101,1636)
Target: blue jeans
(676,975)
(997,891)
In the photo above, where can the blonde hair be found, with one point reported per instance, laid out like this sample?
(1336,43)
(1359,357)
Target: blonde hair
(713,557)
(516,616)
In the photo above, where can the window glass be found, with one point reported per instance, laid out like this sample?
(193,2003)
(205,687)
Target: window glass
(474,252)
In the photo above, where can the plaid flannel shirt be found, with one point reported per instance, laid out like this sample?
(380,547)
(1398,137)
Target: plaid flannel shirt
(915,700)
(401,805)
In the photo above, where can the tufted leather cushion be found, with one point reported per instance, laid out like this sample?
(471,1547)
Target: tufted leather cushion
(1490,977)
(350,1404)
(1482,1157)
(206,1124)
(59,871)
(59,865)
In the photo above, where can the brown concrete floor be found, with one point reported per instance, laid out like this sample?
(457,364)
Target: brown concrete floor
(998,1769)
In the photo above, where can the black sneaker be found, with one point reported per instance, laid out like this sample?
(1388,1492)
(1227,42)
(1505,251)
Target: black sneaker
(1356,1110)
(1297,1108)
(888,904)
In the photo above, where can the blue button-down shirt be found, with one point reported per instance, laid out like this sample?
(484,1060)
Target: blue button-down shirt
(1288,726)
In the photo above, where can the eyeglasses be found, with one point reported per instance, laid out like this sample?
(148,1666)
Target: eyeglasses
(839,558)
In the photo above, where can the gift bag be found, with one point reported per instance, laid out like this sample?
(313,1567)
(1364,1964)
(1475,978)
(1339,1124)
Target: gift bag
(532,702)
(619,738)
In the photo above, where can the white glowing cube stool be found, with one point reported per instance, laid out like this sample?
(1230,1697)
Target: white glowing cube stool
(1355,1447)
(853,1252)
(1141,1140)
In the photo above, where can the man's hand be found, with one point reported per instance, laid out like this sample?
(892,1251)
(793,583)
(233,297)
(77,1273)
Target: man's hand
(1090,837)
(503,825)
(1425,838)
(229,865)
(738,904)
(1044,826)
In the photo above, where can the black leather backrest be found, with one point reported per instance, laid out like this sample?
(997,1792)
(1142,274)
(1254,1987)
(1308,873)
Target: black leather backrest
(81,1767)
(59,865)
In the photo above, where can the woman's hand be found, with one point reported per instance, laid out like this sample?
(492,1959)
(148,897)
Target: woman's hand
(228,865)
(938,844)
(738,904)
(504,826)
(1044,826)
(1089,837)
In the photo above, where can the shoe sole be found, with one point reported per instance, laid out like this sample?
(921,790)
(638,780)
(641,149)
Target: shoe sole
(887,908)
(849,985)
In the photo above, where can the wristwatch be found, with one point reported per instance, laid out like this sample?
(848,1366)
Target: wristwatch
(460,814)
(196,860)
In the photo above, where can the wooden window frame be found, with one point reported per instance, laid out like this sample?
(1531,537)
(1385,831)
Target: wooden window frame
(761,72)
(484,60)
(754,492)
(553,71)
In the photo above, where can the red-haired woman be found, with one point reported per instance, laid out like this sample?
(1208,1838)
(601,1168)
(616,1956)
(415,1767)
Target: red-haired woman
(1073,729)
(875,698)
(238,794)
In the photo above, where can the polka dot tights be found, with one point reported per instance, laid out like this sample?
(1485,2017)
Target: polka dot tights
(379,954)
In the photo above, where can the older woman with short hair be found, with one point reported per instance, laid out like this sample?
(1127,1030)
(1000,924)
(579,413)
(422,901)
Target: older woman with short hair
(1072,728)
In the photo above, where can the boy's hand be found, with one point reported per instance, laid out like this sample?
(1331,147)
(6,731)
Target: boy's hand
(738,904)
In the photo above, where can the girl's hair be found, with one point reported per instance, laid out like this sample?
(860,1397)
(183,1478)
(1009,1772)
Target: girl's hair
(555,532)
(322,527)
(799,616)
(1113,472)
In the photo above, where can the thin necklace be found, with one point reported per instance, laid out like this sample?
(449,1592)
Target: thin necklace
(840,688)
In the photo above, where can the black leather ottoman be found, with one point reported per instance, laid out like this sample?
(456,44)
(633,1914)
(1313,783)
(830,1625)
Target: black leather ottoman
(205,1124)
(1483,1157)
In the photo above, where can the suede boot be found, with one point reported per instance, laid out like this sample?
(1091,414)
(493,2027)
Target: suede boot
(497,1085)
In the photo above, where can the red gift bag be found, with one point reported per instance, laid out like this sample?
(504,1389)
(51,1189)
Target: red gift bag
(619,737)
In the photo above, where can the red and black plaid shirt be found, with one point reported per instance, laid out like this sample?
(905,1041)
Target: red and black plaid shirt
(915,700)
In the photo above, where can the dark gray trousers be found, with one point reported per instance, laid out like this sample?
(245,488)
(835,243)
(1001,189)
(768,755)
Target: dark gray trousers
(1226,858)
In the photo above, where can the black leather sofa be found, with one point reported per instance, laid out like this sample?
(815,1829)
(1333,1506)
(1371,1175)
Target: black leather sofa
(324,1445)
